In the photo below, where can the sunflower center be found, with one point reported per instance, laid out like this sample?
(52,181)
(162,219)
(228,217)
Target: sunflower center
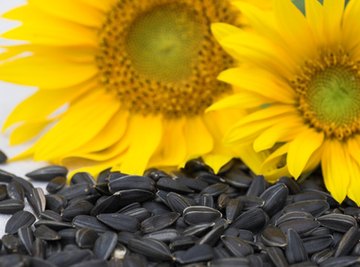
(159,56)
(329,94)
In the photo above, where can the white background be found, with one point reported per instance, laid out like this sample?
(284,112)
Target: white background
(10,95)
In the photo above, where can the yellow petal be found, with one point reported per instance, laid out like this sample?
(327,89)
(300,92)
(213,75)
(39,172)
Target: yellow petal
(351,27)
(335,169)
(354,187)
(198,139)
(146,133)
(333,14)
(102,5)
(43,103)
(81,122)
(315,17)
(222,30)
(301,149)
(39,27)
(277,133)
(27,131)
(172,149)
(260,82)
(71,10)
(216,161)
(46,72)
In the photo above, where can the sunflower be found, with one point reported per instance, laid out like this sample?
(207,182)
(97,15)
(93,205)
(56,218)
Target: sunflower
(121,83)
(300,83)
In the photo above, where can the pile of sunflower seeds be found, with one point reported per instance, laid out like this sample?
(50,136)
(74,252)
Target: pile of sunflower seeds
(192,217)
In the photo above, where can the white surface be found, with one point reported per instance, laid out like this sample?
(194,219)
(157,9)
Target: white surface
(10,95)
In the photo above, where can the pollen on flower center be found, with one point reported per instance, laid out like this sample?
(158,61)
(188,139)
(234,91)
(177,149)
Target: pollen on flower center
(159,56)
(329,94)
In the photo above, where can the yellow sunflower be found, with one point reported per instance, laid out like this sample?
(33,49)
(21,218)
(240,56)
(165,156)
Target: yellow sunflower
(300,82)
(135,76)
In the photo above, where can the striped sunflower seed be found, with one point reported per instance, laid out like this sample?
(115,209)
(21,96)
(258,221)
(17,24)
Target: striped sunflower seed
(158,222)
(151,248)
(200,214)
(105,245)
(18,220)
(337,222)
(45,174)
(119,222)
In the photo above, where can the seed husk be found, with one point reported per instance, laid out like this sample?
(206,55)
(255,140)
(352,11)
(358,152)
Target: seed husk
(11,206)
(45,233)
(314,207)
(273,237)
(56,184)
(233,209)
(105,245)
(55,225)
(15,191)
(277,256)
(169,184)
(295,251)
(347,242)
(87,221)
(340,261)
(337,222)
(253,220)
(177,202)
(164,235)
(274,198)
(3,157)
(119,222)
(197,253)
(200,214)
(18,220)
(257,186)
(26,237)
(131,182)
(215,189)
(82,178)
(11,243)
(237,246)
(158,222)
(50,215)
(70,257)
(3,192)
(55,202)
(81,207)
(37,201)
(151,248)
(91,263)
(230,262)
(45,174)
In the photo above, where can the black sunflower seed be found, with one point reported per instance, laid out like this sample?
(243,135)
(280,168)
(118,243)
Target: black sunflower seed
(274,198)
(131,182)
(91,263)
(105,245)
(11,206)
(213,236)
(197,229)
(56,184)
(37,200)
(50,215)
(15,191)
(45,233)
(318,243)
(164,235)
(81,207)
(45,174)
(257,186)
(315,207)
(11,243)
(158,222)
(340,261)
(151,248)
(18,220)
(177,202)
(197,253)
(26,238)
(215,189)
(347,242)
(169,184)
(85,238)
(70,257)
(119,222)
(82,178)
(233,209)
(301,226)
(338,222)
(277,256)
(273,237)
(87,221)
(230,262)
(3,157)
(253,219)
(200,214)
(237,246)
(55,202)
(3,192)
(55,225)
(295,250)
(76,190)
(138,213)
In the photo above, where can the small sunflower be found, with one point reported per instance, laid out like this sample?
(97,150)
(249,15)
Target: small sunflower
(136,77)
(300,83)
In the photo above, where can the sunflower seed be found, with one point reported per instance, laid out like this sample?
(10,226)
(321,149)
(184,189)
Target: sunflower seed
(197,229)
(56,184)
(206,200)
(55,202)
(105,245)
(196,165)
(237,246)
(139,213)
(18,220)
(277,257)
(169,184)
(315,244)
(338,222)
(195,184)
(321,256)
(45,174)
(76,190)
(106,204)
(250,202)
(3,192)
(273,237)
(50,215)
(55,225)
(212,237)
(11,243)
(11,206)
(177,202)
(233,209)
(200,214)
(37,262)
(87,221)
(81,207)
(197,253)
(131,182)
(14,260)
(215,189)
(165,235)
(340,261)
(301,226)
(294,215)
(45,233)
(37,200)
(295,250)
(82,178)
(347,242)
(26,238)
(91,263)
(134,195)
(274,198)
(15,191)
(38,248)
(257,186)
(158,222)
(151,248)
(3,157)
(253,219)
(315,207)
(119,222)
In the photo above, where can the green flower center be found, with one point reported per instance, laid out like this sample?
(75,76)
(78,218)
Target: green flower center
(162,42)
(334,95)
(328,91)
(159,56)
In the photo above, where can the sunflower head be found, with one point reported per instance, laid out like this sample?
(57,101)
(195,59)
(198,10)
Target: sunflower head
(136,77)
(301,82)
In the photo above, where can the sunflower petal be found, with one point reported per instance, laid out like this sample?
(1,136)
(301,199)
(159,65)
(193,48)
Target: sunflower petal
(27,131)
(301,149)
